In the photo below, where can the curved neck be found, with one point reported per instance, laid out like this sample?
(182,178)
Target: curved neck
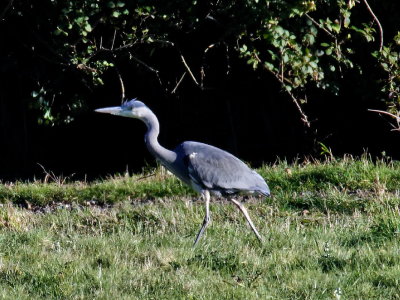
(151,139)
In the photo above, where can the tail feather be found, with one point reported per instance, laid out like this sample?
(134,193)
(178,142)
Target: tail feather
(265,193)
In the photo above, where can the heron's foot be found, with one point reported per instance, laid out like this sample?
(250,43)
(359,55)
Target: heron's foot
(206,221)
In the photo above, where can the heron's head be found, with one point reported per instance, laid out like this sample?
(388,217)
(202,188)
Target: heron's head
(131,109)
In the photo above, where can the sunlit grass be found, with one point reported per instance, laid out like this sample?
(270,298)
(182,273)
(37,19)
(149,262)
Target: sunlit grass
(345,175)
(331,231)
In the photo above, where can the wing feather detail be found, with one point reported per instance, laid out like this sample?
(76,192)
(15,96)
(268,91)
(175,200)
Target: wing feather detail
(217,169)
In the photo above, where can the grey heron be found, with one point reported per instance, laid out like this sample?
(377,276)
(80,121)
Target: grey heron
(205,168)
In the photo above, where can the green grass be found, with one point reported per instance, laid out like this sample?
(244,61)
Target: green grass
(330,228)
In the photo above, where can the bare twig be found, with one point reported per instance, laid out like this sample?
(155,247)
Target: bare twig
(377,22)
(385,113)
(146,176)
(155,71)
(143,63)
(179,82)
(51,49)
(190,71)
(86,68)
(228,64)
(202,72)
(113,52)
(121,83)
(304,117)
(59,180)
(319,25)
(131,45)
(165,42)
(389,114)
(8,6)
(113,40)
(282,67)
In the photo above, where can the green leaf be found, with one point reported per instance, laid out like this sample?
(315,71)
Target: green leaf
(328,51)
(288,88)
(375,54)
(346,22)
(310,39)
(269,66)
(58,31)
(336,27)
(279,30)
(79,20)
(88,27)
(285,58)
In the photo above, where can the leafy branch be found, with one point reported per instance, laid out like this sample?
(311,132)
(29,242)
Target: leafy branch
(304,44)
(377,22)
(281,79)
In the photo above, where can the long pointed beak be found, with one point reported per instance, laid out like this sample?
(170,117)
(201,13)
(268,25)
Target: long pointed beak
(115,110)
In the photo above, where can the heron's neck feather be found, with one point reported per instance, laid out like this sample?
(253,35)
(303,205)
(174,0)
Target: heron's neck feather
(151,139)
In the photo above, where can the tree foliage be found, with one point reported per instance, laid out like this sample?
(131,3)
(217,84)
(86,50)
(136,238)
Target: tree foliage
(65,49)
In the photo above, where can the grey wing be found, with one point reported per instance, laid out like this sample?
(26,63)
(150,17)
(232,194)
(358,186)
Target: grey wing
(220,171)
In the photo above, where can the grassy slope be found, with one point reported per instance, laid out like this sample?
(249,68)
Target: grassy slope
(329,228)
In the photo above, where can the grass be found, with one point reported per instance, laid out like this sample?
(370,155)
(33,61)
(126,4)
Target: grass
(332,231)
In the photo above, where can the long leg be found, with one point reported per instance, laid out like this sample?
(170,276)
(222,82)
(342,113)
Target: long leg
(246,214)
(206,196)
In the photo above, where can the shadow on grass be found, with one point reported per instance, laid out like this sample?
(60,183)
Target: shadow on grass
(324,201)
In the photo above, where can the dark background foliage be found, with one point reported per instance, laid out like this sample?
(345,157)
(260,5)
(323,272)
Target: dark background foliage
(59,60)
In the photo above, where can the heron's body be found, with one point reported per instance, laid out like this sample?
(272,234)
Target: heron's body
(207,169)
